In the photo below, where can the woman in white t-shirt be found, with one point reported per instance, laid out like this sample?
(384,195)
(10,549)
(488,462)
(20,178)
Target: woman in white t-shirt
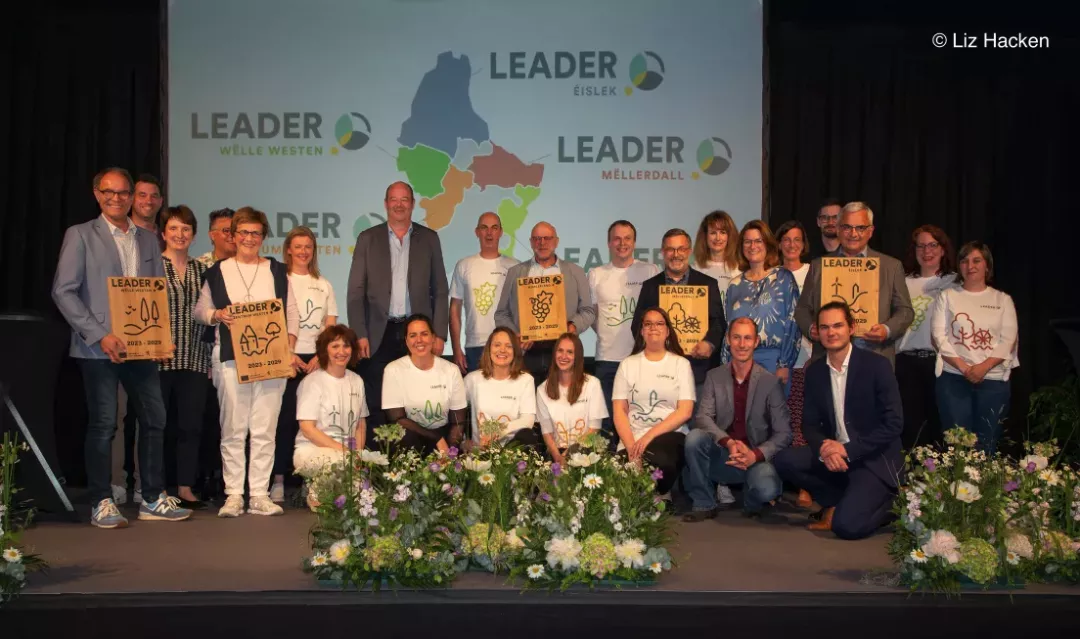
(330,407)
(501,395)
(424,393)
(570,404)
(715,248)
(929,269)
(318,309)
(654,398)
(974,329)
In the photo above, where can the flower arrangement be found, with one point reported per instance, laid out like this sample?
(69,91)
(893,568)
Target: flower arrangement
(14,563)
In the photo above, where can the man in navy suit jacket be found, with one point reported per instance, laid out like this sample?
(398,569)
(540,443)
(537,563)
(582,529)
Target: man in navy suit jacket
(852,419)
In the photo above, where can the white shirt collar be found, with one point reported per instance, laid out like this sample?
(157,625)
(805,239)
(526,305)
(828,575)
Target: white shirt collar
(116,230)
(844,366)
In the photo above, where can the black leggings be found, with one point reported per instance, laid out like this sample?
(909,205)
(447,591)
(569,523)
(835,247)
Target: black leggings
(188,390)
(666,453)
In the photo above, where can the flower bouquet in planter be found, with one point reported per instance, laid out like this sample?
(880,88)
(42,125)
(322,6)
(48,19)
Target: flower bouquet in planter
(1045,504)
(382,521)
(14,563)
(595,521)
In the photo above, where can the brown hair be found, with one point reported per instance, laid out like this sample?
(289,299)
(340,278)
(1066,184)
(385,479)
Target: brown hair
(772,250)
(180,212)
(701,244)
(786,227)
(984,250)
(331,334)
(671,343)
(577,371)
(250,215)
(487,367)
(911,263)
(302,231)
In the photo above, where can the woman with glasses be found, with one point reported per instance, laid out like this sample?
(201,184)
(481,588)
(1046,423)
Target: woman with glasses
(974,329)
(929,269)
(248,410)
(501,393)
(715,249)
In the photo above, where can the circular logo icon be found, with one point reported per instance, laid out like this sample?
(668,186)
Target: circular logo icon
(709,160)
(646,71)
(352,131)
(364,222)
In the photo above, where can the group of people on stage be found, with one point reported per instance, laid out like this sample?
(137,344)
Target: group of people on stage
(764,398)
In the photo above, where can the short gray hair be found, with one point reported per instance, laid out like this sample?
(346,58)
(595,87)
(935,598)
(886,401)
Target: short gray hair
(855,207)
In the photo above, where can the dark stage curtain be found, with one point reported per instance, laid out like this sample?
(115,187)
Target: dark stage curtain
(976,141)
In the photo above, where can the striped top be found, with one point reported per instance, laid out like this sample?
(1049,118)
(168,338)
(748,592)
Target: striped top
(192,353)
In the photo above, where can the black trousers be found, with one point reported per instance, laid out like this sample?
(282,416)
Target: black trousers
(530,438)
(185,392)
(371,370)
(915,376)
(288,426)
(538,360)
(423,445)
(131,430)
(666,453)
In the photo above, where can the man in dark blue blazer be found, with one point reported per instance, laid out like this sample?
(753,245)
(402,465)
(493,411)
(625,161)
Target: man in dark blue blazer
(852,419)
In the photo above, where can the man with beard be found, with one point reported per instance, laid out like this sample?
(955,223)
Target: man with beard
(828,217)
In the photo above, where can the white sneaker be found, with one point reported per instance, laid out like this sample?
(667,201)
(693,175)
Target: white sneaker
(262,505)
(723,495)
(234,507)
(119,495)
(277,493)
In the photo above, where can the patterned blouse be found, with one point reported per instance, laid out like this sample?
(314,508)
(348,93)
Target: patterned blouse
(770,302)
(191,352)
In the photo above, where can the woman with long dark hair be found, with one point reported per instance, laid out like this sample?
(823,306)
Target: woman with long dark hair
(502,393)
(570,403)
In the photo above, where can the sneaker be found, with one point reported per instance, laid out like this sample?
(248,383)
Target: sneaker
(262,505)
(119,495)
(164,509)
(277,492)
(106,515)
(137,492)
(234,507)
(724,497)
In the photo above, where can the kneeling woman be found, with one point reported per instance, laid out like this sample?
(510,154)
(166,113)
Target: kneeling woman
(330,405)
(570,403)
(424,393)
(502,392)
(653,398)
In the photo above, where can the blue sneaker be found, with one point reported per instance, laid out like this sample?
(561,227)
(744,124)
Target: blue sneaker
(164,509)
(106,515)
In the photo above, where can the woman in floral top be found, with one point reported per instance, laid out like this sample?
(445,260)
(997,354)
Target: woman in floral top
(766,293)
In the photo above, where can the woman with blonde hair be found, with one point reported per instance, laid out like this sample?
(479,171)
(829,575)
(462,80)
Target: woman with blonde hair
(715,250)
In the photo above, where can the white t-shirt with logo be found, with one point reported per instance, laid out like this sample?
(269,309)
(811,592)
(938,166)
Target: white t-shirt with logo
(427,396)
(478,283)
(510,401)
(653,389)
(923,292)
(721,272)
(975,327)
(615,292)
(568,423)
(805,347)
(334,404)
(315,301)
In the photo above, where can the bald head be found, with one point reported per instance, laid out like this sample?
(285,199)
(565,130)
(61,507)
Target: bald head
(489,232)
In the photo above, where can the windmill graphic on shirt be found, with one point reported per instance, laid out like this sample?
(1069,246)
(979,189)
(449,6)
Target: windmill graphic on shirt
(309,311)
(643,413)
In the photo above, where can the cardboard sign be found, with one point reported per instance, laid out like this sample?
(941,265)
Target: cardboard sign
(688,309)
(139,310)
(855,280)
(541,307)
(260,341)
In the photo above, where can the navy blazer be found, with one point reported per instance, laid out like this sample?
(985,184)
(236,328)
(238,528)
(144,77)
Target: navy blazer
(873,413)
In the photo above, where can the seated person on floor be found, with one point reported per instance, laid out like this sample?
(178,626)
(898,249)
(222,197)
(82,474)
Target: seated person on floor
(570,403)
(502,395)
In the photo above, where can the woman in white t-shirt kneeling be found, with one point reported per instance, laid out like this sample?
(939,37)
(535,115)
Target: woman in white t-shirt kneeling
(570,404)
(330,407)
(424,393)
(501,393)
(654,398)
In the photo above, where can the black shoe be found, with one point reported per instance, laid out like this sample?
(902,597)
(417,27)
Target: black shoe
(695,516)
(765,517)
(193,505)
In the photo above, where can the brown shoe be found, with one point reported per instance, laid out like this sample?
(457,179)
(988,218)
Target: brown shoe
(825,523)
(695,516)
(804,500)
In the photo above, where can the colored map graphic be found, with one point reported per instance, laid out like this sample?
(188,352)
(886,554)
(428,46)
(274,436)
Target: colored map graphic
(504,169)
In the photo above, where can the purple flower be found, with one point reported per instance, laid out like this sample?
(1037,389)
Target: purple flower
(365,485)
(657,474)
(457,466)
(393,513)
(521,466)
(656,499)
(452,452)
(930,464)
(434,467)
(1011,486)
(340,502)
(545,497)
(1030,467)
(351,443)
(556,469)
(443,529)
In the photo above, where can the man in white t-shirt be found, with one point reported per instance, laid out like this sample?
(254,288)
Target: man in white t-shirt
(476,286)
(615,287)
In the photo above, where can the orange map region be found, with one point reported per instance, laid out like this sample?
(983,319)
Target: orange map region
(503,168)
(440,209)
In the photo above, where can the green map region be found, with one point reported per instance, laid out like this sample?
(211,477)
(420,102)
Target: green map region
(425,168)
(513,215)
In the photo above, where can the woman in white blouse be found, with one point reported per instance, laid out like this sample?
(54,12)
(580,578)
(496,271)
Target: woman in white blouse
(424,393)
(331,406)
(317,306)
(501,392)
(654,398)
(716,251)
(974,329)
(570,403)
(249,409)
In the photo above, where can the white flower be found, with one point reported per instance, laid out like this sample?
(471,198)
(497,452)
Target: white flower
(1012,558)
(1019,545)
(943,544)
(965,492)
(416,553)
(339,551)
(617,527)
(918,556)
(656,567)
(487,479)
(593,481)
(319,560)
(972,473)
(582,460)
(631,553)
(13,555)
(512,539)
(476,465)
(563,551)
(1050,477)
(374,457)
(1040,462)
(535,571)
(394,477)
(403,493)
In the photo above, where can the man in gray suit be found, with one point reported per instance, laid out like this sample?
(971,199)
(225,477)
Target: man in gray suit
(580,312)
(741,423)
(112,246)
(894,303)
(397,270)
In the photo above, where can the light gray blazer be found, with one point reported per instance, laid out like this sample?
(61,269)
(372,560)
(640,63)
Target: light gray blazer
(88,258)
(579,304)
(768,422)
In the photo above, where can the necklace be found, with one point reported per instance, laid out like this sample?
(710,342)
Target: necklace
(248,297)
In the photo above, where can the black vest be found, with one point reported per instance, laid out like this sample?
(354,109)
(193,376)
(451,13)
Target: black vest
(220,297)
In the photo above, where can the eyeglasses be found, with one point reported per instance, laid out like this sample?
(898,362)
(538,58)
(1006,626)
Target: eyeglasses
(541,240)
(929,246)
(757,241)
(828,218)
(109,194)
(847,228)
(679,250)
(223,230)
(789,241)
(246,234)
(654,324)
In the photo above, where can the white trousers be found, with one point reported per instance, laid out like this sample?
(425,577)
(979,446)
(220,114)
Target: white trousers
(247,410)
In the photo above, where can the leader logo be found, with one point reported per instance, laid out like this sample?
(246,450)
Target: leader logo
(713,156)
(285,134)
(593,72)
(664,152)
(352,131)
(646,72)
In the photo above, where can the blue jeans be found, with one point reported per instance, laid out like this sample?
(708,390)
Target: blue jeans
(472,357)
(605,372)
(768,358)
(979,408)
(706,466)
(142,384)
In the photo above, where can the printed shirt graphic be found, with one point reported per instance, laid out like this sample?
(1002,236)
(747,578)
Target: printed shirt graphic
(335,405)
(974,327)
(427,396)
(315,300)
(770,302)
(504,400)
(569,423)
(721,273)
(478,283)
(615,292)
(653,389)
(923,292)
